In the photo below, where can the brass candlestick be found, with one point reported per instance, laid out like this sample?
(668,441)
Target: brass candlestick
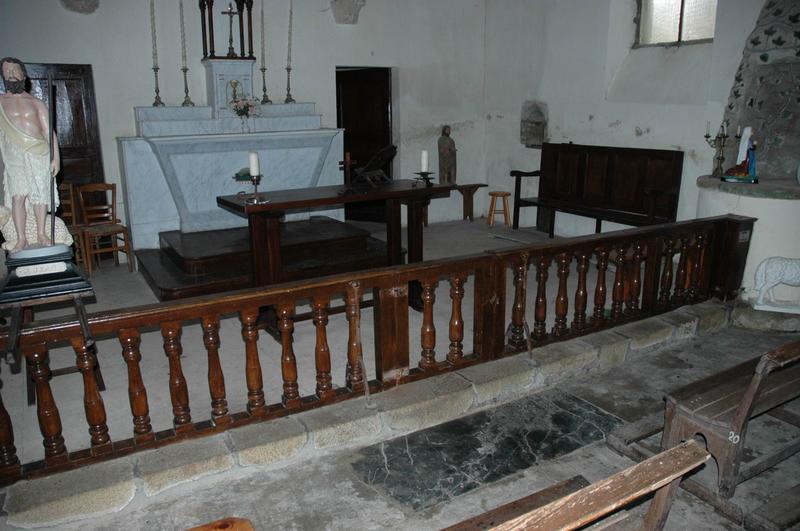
(255,180)
(187,101)
(718,144)
(157,102)
(264,99)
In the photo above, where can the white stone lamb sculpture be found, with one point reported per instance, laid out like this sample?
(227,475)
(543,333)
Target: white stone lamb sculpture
(773,271)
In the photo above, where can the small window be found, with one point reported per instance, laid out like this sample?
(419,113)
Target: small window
(671,22)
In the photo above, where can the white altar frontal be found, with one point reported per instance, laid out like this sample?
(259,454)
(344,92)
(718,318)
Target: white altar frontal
(184,157)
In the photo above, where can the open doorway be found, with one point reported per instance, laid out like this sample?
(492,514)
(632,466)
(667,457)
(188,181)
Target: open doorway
(364,111)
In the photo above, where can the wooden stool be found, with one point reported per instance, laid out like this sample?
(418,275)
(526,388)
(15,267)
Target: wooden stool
(493,210)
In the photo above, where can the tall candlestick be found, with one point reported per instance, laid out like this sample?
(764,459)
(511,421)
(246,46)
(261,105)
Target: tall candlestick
(263,38)
(183,36)
(153,32)
(423,163)
(289,53)
(708,128)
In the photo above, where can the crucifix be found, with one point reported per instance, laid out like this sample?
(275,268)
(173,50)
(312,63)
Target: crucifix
(230,12)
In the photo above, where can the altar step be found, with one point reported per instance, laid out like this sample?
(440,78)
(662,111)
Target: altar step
(200,263)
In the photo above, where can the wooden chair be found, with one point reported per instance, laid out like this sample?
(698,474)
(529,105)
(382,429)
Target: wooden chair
(720,407)
(493,210)
(66,195)
(100,221)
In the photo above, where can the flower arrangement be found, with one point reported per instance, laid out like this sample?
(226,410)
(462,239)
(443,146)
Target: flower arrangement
(245,108)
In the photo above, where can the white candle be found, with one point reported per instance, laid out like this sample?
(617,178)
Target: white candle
(423,163)
(183,36)
(738,130)
(263,37)
(708,128)
(153,32)
(255,167)
(289,53)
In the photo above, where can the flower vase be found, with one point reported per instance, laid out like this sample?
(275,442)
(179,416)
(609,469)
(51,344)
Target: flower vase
(245,123)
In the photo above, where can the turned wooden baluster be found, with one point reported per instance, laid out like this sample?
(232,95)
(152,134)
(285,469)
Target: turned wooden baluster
(291,391)
(354,377)
(697,267)
(252,365)
(679,296)
(9,462)
(517,337)
(216,380)
(428,330)
(666,276)
(322,353)
(46,410)
(540,310)
(178,391)
(456,352)
(581,294)
(632,304)
(618,292)
(562,300)
(598,315)
(92,401)
(137,394)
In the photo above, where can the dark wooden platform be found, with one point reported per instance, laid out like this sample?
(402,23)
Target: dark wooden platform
(199,263)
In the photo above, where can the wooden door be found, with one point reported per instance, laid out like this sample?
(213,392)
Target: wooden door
(364,111)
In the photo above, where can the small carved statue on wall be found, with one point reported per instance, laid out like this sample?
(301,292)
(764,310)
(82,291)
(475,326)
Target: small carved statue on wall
(447,157)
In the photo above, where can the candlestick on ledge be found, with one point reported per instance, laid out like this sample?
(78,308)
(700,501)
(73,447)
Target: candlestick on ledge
(264,98)
(718,144)
(187,101)
(157,102)
(289,98)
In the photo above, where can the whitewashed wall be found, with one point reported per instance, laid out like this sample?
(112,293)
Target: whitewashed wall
(469,63)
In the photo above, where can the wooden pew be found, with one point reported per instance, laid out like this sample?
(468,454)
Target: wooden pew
(720,407)
(625,185)
(599,499)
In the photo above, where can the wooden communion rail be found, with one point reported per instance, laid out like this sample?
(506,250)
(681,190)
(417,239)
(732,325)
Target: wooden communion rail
(710,255)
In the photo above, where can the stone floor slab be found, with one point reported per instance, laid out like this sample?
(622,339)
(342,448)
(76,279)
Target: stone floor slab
(172,465)
(502,379)
(268,442)
(558,361)
(684,324)
(713,314)
(340,424)
(419,405)
(646,335)
(78,494)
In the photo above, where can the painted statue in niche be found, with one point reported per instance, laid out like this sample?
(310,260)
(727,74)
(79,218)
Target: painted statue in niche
(28,169)
(533,124)
(766,90)
(447,157)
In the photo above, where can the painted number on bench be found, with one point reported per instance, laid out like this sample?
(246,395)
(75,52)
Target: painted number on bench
(732,437)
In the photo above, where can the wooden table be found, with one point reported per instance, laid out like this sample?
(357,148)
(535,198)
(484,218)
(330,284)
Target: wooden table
(264,218)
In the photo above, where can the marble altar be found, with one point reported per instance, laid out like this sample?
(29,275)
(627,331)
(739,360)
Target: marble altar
(184,157)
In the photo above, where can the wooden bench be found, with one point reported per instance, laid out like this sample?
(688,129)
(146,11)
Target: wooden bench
(624,185)
(720,407)
(563,507)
